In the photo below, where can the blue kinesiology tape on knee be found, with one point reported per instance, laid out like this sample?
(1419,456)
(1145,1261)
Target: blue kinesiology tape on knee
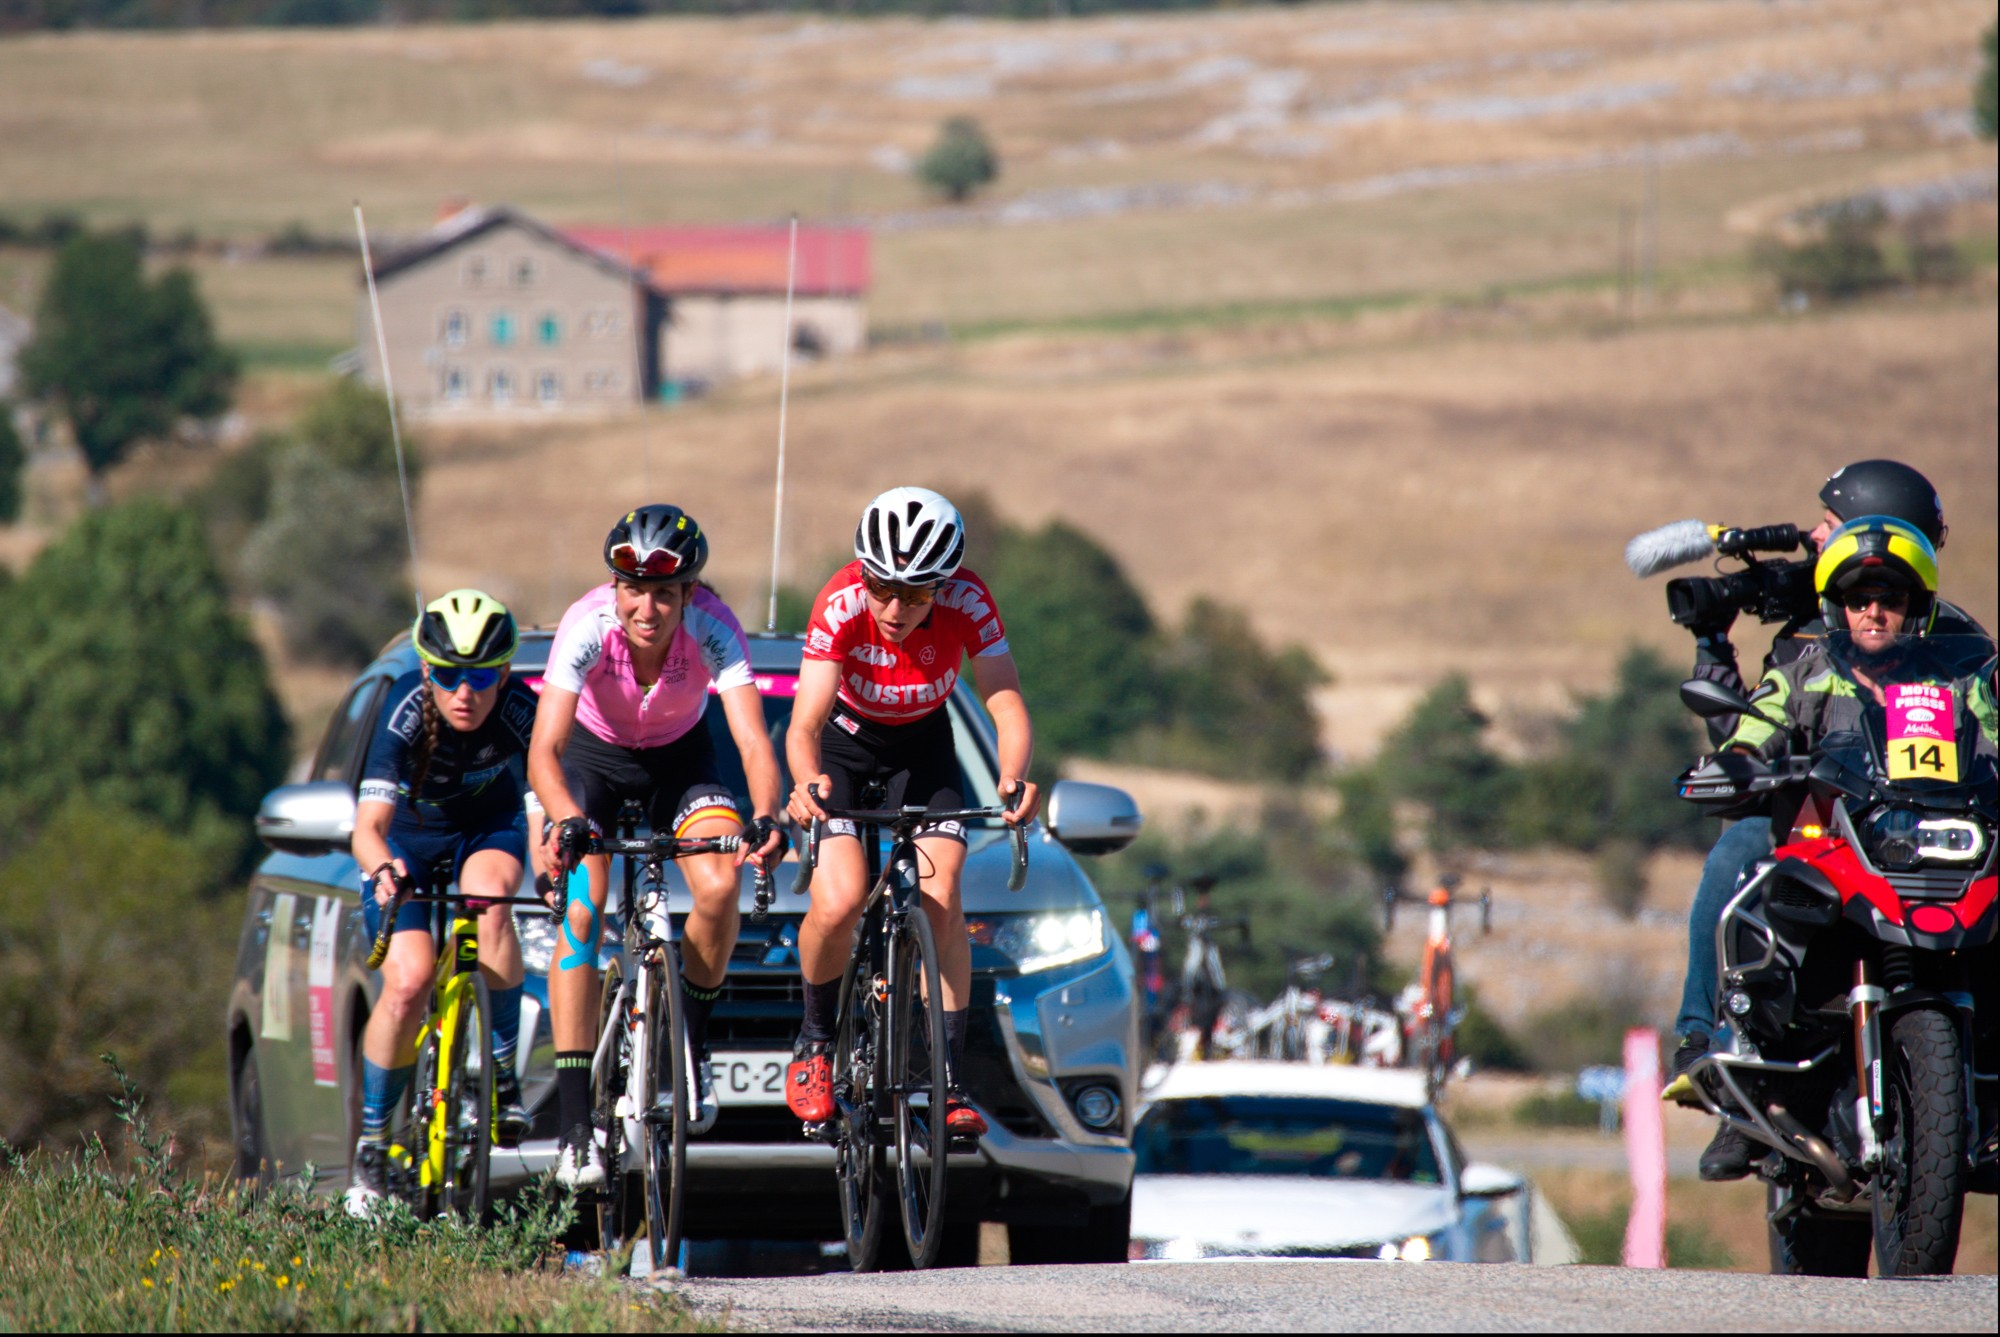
(581,954)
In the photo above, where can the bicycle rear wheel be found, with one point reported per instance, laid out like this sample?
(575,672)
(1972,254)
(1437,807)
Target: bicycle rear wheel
(859,1157)
(609,1083)
(917,1085)
(467,1109)
(666,1072)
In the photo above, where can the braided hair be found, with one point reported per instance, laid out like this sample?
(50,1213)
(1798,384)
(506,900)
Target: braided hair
(426,747)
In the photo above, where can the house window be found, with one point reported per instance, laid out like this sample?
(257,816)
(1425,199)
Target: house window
(457,329)
(524,272)
(549,330)
(600,381)
(502,329)
(600,323)
(500,385)
(548,388)
(474,271)
(453,385)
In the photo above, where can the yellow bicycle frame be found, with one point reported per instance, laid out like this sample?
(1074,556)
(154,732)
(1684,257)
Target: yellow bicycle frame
(451,992)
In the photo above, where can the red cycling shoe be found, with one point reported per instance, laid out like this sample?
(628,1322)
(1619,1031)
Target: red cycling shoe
(809,1083)
(961,1120)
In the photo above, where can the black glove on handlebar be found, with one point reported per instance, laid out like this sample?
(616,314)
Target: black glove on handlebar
(759,831)
(572,835)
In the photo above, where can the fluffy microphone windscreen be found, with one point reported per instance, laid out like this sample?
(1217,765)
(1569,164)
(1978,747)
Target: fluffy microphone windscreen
(1669,546)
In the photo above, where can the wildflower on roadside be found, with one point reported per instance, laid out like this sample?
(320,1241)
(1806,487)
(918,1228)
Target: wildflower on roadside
(284,1282)
(225,1286)
(147,1282)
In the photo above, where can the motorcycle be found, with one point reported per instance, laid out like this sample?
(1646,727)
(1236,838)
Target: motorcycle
(1857,1027)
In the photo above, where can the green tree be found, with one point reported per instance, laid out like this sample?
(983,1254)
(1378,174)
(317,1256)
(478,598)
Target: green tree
(1240,709)
(1438,757)
(111,937)
(122,359)
(961,161)
(1080,631)
(126,680)
(330,548)
(1985,114)
(13,466)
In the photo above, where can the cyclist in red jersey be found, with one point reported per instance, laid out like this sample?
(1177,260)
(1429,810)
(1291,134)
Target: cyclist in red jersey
(883,651)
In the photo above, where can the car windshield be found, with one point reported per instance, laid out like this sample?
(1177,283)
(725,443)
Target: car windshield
(1286,1136)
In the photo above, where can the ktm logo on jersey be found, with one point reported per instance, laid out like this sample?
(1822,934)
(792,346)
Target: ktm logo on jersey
(844,604)
(879,655)
(964,596)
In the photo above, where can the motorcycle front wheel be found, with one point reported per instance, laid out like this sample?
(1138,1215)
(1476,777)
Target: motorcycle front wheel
(1919,1191)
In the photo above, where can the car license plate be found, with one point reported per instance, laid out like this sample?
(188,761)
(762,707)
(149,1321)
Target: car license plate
(754,1078)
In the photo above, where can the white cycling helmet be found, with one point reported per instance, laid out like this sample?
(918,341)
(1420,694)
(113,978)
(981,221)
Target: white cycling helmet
(910,535)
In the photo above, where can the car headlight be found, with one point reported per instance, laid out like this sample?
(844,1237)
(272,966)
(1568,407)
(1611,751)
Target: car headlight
(1181,1250)
(1042,941)
(1416,1249)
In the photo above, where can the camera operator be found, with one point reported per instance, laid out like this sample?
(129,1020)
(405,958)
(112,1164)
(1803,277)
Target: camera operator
(1870,487)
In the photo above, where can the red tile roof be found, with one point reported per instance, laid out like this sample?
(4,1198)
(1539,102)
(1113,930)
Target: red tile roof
(737,259)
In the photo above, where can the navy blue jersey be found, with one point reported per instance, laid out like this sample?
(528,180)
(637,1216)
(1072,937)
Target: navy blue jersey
(472,776)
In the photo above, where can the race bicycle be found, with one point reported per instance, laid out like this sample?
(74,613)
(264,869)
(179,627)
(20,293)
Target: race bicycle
(1435,1012)
(643,1081)
(440,1157)
(1290,1027)
(889,1077)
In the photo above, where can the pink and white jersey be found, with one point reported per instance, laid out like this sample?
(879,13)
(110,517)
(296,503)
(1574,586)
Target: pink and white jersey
(592,658)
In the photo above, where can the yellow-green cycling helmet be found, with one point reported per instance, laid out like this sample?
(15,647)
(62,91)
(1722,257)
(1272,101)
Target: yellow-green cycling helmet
(1880,550)
(465,629)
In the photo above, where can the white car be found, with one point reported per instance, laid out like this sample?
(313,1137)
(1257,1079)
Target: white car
(1296,1160)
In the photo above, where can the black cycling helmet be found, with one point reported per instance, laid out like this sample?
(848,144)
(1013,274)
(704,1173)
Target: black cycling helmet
(656,542)
(465,629)
(1885,487)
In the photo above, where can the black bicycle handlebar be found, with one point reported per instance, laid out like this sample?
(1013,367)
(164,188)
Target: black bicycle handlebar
(903,822)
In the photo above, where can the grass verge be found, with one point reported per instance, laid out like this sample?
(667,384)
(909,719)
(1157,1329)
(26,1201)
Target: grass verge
(86,1244)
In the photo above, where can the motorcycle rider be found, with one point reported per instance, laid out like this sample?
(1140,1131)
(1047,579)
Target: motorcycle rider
(1877,580)
(1867,487)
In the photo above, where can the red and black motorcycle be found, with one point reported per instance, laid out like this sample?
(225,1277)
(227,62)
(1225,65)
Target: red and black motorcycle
(1857,1024)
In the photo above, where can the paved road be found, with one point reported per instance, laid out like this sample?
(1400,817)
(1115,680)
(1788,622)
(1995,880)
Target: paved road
(1340,1297)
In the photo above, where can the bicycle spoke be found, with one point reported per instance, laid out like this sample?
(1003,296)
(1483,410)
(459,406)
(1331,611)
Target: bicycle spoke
(917,1078)
(666,1073)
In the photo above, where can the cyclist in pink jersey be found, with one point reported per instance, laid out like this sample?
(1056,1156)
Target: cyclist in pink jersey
(883,650)
(631,665)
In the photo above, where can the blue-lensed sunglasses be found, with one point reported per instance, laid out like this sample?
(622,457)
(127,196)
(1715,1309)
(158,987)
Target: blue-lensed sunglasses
(478,679)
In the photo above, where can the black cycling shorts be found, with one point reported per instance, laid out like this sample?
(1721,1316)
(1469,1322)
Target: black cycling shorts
(675,784)
(918,762)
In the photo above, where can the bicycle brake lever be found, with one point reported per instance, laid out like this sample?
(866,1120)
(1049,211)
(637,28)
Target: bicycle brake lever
(760,904)
(808,857)
(1017,874)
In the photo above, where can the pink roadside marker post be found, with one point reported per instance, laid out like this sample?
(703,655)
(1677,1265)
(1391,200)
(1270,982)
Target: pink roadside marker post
(1645,1151)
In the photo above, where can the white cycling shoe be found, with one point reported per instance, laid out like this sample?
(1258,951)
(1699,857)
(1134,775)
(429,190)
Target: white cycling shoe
(577,1163)
(368,1188)
(707,1108)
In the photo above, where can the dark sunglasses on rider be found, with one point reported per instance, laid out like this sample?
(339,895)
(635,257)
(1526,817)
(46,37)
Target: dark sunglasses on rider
(450,679)
(1894,601)
(910,596)
(652,564)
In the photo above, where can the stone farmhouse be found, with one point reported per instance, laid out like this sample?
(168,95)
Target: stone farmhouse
(495,312)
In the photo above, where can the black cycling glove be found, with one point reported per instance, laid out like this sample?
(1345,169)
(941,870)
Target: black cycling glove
(759,831)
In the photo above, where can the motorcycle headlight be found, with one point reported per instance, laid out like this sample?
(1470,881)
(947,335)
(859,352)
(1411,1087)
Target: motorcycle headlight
(1894,835)
(1042,941)
(1950,840)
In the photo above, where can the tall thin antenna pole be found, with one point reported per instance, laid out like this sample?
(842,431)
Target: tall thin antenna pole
(389,390)
(638,322)
(784,398)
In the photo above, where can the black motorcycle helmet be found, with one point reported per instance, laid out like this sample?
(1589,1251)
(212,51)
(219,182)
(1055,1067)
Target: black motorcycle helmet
(657,542)
(1885,487)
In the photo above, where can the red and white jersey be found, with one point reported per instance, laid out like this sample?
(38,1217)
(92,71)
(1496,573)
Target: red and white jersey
(896,684)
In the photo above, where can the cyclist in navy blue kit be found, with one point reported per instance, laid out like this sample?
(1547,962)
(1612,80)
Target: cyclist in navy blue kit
(442,790)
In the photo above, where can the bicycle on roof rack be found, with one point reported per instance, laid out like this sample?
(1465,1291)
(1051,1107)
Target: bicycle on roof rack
(889,1077)
(1435,1012)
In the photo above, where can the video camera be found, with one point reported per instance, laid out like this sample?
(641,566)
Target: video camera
(1770,591)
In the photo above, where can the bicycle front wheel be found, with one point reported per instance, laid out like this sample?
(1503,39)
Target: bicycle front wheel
(610,1086)
(666,1094)
(917,1083)
(860,1160)
(463,1121)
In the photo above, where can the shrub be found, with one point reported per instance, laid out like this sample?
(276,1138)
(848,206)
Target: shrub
(1558,1109)
(961,161)
(1985,115)
(1843,263)
(13,466)
(1438,758)
(1589,1029)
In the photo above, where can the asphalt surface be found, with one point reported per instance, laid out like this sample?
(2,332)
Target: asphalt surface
(1339,1297)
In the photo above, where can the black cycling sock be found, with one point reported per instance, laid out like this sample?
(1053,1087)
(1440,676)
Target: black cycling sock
(954,1043)
(696,1005)
(573,1087)
(822,1008)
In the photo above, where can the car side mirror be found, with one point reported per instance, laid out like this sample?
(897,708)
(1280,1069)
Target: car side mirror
(1092,819)
(1479,1180)
(313,818)
(1711,700)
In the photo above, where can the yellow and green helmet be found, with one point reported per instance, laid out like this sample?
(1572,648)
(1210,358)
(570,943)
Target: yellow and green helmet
(1878,550)
(465,629)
